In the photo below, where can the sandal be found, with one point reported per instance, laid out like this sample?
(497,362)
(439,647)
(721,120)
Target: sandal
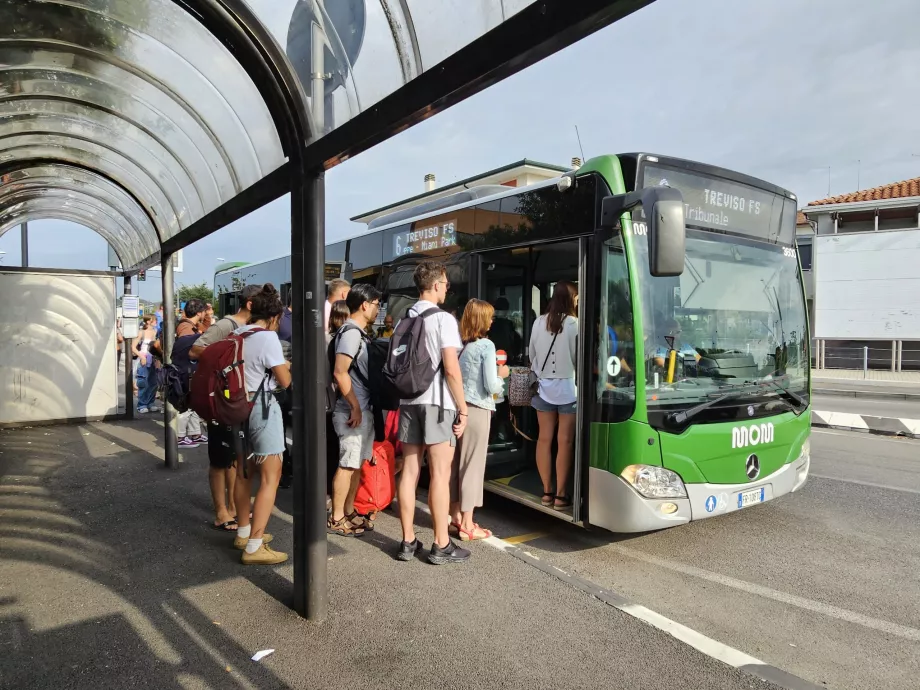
(225,526)
(453,528)
(358,521)
(564,503)
(471,536)
(343,528)
(547,499)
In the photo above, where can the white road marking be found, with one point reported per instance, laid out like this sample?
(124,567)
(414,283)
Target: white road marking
(702,643)
(906,632)
(847,419)
(862,483)
(281,515)
(913,425)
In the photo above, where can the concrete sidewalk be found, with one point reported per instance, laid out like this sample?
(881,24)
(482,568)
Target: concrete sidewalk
(904,385)
(110,578)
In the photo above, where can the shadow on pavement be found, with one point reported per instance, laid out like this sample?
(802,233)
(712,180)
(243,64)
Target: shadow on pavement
(111,578)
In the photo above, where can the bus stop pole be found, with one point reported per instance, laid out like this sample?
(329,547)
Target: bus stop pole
(24,240)
(308,404)
(169,334)
(127,348)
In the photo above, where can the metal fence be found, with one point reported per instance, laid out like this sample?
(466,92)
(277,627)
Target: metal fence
(876,355)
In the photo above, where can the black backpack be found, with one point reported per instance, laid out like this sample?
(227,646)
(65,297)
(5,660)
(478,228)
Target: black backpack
(408,371)
(174,379)
(376,357)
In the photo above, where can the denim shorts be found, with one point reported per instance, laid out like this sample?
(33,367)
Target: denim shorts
(540,405)
(266,436)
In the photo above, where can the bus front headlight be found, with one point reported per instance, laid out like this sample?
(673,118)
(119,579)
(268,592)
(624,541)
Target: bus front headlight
(805,453)
(654,482)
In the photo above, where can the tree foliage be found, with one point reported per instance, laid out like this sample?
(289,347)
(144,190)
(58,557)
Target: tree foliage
(202,291)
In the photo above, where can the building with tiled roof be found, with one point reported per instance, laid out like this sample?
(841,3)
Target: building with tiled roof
(860,255)
(894,190)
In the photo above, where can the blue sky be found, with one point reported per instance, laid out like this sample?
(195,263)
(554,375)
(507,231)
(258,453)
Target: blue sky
(780,90)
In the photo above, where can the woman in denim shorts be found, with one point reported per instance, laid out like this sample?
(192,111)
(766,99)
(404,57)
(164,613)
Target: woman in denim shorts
(267,372)
(553,355)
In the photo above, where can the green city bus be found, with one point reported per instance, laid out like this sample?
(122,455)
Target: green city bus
(693,361)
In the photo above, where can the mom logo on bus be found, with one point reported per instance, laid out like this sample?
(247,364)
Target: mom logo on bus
(753,435)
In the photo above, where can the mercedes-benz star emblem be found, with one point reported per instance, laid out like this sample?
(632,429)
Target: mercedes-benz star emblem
(750,410)
(752,467)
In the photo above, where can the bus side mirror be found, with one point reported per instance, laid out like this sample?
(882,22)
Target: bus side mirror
(664,210)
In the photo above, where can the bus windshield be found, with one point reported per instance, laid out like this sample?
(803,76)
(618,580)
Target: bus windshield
(734,320)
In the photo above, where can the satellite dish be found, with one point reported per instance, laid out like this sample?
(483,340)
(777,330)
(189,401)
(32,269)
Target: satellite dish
(344,22)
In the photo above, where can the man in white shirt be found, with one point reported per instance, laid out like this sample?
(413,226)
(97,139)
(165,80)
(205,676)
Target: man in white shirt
(433,421)
(338,290)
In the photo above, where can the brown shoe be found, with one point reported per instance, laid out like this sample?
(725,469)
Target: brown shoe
(263,556)
(240,542)
(360,522)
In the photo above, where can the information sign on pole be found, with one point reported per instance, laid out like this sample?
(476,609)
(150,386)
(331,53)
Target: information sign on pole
(130,305)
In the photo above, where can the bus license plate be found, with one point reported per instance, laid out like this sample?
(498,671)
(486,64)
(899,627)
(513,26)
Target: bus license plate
(750,498)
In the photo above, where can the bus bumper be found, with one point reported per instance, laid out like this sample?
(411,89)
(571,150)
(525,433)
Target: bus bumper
(709,500)
(614,505)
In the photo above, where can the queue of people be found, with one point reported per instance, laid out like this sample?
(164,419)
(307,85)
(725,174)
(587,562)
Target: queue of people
(446,424)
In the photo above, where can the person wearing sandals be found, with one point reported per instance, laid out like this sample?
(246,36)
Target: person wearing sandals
(352,417)
(482,379)
(553,354)
(266,372)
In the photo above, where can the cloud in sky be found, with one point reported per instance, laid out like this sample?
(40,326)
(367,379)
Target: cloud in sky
(779,90)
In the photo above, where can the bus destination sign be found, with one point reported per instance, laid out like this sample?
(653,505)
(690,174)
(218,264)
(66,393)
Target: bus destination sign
(425,238)
(718,204)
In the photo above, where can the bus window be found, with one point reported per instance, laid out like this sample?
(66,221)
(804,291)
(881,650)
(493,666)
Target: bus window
(615,365)
(335,252)
(366,252)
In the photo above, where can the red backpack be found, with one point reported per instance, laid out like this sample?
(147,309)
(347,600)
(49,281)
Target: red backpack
(378,481)
(218,387)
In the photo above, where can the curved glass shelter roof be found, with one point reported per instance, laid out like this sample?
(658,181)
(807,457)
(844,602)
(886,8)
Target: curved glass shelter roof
(129,117)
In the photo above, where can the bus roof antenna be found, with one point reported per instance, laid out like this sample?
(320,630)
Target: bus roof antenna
(580,147)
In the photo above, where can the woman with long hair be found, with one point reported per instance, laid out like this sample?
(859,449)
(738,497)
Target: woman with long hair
(338,315)
(145,373)
(482,379)
(553,356)
(266,372)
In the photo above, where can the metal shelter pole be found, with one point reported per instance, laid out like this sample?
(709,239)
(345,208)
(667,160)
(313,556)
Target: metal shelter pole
(24,239)
(169,335)
(309,423)
(128,353)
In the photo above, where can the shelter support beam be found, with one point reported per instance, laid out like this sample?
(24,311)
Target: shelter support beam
(308,406)
(171,422)
(128,354)
(24,239)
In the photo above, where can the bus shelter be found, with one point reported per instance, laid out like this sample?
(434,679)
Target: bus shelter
(157,122)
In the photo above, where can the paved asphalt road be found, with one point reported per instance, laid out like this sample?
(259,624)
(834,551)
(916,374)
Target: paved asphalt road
(876,407)
(822,583)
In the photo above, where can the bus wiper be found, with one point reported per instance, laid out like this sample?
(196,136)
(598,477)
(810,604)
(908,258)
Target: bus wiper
(680,418)
(786,393)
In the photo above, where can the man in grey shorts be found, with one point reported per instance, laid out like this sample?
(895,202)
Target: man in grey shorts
(352,417)
(422,426)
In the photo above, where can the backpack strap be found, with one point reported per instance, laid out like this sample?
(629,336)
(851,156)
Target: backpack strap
(364,337)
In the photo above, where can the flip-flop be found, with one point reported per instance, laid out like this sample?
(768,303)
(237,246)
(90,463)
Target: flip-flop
(223,527)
